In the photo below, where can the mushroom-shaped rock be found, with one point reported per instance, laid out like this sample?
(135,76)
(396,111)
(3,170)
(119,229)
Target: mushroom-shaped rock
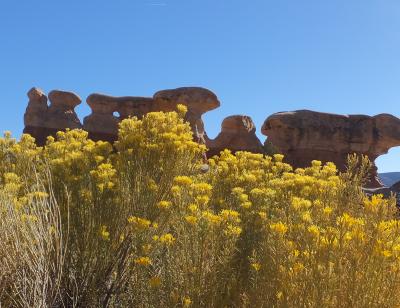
(306,135)
(35,116)
(61,113)
(198,101)
(237,134)
(37,107)
(102,124)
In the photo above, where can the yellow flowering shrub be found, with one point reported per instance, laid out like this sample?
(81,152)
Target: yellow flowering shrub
(138,224)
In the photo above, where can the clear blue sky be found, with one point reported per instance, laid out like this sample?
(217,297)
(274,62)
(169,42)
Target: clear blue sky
(258,56)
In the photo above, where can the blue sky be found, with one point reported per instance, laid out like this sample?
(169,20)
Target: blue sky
(258,56)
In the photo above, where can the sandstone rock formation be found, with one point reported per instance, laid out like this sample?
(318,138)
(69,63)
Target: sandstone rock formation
(198,101)
(37,107)
(306,135)
(34,118)
(300,135)
(102,124)
(238,133)
(132,106)
(42,120)
(61,113)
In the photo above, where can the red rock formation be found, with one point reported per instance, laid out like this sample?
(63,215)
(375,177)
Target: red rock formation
(238,133)
(61,113)
(198,101)
(34,119)
(42,120)
(102,124)
(306,135)
(301,135)
(132,106)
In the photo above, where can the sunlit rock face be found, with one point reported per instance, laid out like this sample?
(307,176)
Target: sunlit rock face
(238,133)
(42,120)
(306,135)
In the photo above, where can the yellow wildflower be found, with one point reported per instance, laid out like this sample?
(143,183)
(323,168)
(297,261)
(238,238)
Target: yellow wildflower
(203,188)
(139,223)
(202,200)
(327,210)
(182,110)
(211,218)
(167,239)
(155,281)
(298,267)
(233,230)
(193,208)
(191,219)
(163,205)
(144,261)
(256,266)
(246,204)
(230,215)
(186,301)
(279,227)
(386,253)
(105,235)
(306,217)
(183,180)
(314,230)
(176,191)
(278,157)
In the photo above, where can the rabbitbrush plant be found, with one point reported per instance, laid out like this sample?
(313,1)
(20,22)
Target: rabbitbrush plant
(85,224)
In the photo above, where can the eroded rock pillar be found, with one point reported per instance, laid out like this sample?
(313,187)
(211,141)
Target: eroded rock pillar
(102,124)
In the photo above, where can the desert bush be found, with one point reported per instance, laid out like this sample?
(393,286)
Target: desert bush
(32,251)
(85,224)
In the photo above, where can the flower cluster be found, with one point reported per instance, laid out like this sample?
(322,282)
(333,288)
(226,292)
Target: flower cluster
(139,225)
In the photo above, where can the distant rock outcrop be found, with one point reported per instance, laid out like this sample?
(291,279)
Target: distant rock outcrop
(42,120)
(197,100)
(306,135)
(61,112)
(238,133)
(301,136)
(102,124)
